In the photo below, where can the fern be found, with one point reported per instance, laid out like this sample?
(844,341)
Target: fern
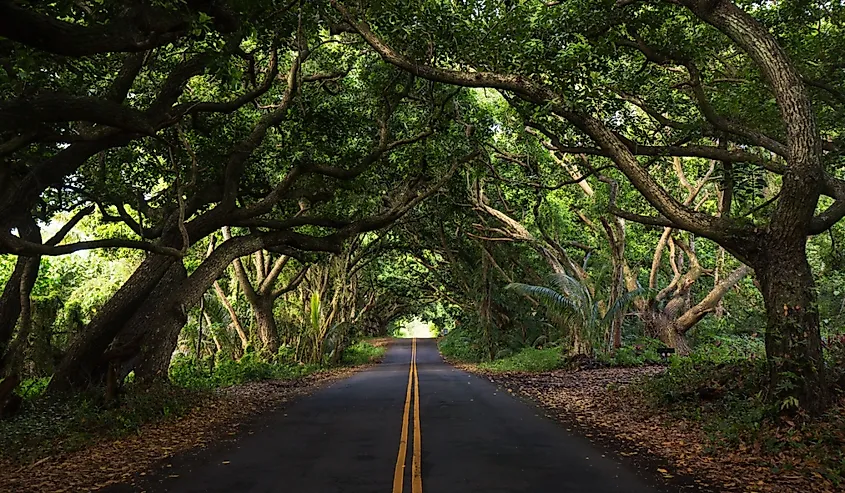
(571,305)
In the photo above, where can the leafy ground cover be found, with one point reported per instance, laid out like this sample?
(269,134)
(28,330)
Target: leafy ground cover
(692,423)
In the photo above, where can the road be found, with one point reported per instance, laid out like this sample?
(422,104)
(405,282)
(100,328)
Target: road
(463,435)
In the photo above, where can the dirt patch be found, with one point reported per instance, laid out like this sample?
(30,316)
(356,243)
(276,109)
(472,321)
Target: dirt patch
(677,451)
(116,461)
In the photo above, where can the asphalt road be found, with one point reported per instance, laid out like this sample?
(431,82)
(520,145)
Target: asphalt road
(346,438)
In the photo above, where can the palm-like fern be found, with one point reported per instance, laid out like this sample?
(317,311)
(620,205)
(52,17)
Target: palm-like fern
(573,308)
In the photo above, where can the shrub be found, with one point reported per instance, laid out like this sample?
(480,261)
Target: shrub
(32,387)
(729,398)
(186,372)
(529,360)
(727,348)
(361,353)
(459,345)
(639,352)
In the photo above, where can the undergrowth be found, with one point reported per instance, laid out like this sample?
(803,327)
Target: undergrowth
(460,345)
(529,360)
(47,426)
(729,401)
(362,353)
(188,373)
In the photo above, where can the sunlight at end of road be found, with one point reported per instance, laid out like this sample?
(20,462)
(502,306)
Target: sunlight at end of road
(416,328)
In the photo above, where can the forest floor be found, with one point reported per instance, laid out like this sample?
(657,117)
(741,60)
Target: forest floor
(594,402)
(218,415)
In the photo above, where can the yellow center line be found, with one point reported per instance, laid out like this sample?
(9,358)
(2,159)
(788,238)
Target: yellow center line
(416,471)
(399,471)
(416,483)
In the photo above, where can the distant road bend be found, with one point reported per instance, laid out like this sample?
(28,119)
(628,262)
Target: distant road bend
(455,433)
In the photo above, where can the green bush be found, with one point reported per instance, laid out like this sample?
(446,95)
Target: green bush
(361,353)
(727,348)
(458,345)
(728,398)
(32,387)
(186,372)
(528,359)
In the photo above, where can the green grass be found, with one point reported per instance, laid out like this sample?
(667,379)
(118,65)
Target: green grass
(529,360)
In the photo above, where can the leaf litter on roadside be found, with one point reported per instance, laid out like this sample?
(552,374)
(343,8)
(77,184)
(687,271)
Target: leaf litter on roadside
(108,462)
(592,401)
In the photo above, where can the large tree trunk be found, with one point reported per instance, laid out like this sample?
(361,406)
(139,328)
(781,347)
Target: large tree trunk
(159,344)
(83,360)
(148,333)
(10,306)
(665,328)
(793,339)
(266,324)
(15,307)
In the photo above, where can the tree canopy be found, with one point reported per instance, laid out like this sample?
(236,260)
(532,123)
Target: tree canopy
(283,178)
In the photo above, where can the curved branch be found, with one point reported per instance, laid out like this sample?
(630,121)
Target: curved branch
(137,29)
(16,246)
(297,280)
(56,107)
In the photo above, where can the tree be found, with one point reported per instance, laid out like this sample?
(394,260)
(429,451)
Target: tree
(585,107)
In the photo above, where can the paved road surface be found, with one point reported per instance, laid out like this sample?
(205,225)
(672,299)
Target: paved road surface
(346,439)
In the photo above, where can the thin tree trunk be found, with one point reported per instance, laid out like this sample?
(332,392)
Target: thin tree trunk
(17,291)
(236,323)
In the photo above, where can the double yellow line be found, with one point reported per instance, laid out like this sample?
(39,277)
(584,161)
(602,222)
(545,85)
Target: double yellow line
(416,472)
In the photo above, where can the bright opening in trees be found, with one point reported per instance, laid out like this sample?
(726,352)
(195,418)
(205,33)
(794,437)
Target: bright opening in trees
(416,327)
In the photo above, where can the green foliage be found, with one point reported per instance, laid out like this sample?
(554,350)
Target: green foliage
(728,399)
(572,306)
(32,387)
(527,360)
(460,345)
(186,372)
(727,348)
(362,353)
(640,352)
